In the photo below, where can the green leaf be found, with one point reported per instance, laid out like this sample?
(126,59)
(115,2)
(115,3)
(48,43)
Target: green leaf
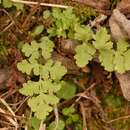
(60,125)
(7,4)
(83,33)
(57,71)
(34,123)
(75,117)
(102,40)
(37,103)
(119,63)
(56,13)
(67,91)
(30,49)
(113,101)
(127,60)
(106,58)
(84,53)
(25,67)
(68,111)
(121,60)
(122,46)
(38,30)
(46,14)
(19,6)
(30,88)
(46,45)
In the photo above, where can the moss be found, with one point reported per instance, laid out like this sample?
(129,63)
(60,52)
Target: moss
(85,12)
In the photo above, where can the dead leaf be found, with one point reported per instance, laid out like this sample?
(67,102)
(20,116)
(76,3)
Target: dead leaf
(100,4)
(124,7)
(119,25)
(124,80)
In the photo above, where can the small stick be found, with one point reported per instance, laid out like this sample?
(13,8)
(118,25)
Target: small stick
(83,116)
(11,111)
(9,118)
(56,116)
(42,4)
(119,118)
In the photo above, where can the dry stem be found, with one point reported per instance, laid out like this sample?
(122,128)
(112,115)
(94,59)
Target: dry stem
(42,4)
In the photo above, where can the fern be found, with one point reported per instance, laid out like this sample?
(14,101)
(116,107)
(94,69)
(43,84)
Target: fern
(111,58)
(63,22)
(105,48)
(43,91)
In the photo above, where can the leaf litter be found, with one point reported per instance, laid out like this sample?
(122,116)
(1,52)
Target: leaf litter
(100,106)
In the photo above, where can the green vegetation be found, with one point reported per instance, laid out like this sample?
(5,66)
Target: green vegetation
(41,71)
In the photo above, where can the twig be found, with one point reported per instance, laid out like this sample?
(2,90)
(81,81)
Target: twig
(9,118)
(11,24)
(22,103)
(41,4)
(119,118)
(56,116)
(4,128)
(42,126)
(83,115)
(10,115)
(11,111)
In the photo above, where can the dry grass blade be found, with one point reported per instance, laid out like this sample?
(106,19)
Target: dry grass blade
(41,4)
(117,119)
(83,115)
(11,111)
(9,118)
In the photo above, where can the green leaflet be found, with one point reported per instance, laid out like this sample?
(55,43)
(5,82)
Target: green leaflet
(113,101)
(127,59)
(83,33)
(57,71)
(102,40)
(84,53)
(120,61)
(42,104)
(38,30)
(26,67)
(34,123)
(45,44)
(60,126)
(67,91)
(106,58)
(46,14)
(70,113)
(9,4)
(29,49)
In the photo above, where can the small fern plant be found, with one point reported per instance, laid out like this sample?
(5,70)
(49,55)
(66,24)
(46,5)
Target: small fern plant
(38,63)
(112,57)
